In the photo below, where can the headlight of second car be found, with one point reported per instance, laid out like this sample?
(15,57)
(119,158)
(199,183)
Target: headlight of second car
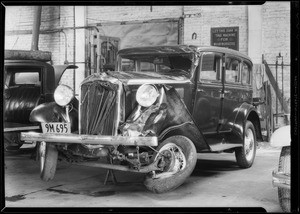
(146,95)
(63,95)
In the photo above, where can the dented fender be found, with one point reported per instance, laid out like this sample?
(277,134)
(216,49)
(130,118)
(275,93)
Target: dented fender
(51,112)
(168,116)
(179,121)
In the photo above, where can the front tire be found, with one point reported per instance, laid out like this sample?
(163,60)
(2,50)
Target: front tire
(179,156)
(48,156)
(284,195)
(12,141)
(245,155)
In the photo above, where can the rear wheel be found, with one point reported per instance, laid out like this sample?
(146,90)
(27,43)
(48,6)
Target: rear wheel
(284,194)
(245,155)
(178,159)
(48,156)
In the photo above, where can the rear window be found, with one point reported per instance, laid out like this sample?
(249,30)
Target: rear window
(27,78)
(19,75)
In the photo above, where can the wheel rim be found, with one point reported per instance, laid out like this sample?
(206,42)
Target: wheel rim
(249,144)
(173,158)
(42,154)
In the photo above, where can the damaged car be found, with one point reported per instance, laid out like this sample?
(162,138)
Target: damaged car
(281,177)
(29,80)
(160,107)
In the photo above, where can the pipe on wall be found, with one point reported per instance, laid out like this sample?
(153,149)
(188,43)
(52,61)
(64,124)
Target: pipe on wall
(74,48)
(66,48)
(36,28)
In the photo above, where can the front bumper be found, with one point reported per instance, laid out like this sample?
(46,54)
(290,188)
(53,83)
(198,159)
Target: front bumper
(89,139)
(281,179)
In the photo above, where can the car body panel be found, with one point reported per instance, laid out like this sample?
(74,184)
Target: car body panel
(13,127)
(59,71)
(281,137)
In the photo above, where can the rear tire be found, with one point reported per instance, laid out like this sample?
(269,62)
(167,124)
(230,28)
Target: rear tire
(284,195)
(180,159)
(48,156)
(245,155)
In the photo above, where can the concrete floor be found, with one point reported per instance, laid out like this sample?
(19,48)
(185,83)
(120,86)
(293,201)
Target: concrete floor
(216,182)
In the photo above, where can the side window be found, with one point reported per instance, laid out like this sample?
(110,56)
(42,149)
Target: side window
(232,73)
(210,67)
(128,65)
(146,66)
(246,73)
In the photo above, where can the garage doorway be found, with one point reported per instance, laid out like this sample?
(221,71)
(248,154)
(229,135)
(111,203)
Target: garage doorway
(115,36)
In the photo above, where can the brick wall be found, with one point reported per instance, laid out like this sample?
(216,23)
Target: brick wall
(276,39)
(198,19)
(18,25)
(19,22)
(98,14)
(203,18)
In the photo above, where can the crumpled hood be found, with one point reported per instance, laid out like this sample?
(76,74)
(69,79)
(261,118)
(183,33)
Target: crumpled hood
(137,78)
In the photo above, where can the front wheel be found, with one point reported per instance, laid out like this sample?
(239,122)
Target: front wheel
(48,156)
(284,194)
(12,141)
(178,159)
(245,155)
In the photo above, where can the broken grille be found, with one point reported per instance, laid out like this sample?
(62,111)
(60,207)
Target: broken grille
(98,108)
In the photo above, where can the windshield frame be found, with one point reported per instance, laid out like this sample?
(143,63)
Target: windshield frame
(188,74)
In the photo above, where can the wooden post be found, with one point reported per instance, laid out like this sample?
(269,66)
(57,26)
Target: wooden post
(276,88)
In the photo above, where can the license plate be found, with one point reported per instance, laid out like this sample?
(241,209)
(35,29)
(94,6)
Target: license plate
(58,128)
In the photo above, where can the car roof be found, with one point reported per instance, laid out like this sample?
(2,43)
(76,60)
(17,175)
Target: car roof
(27,63)
(43,56)
(177,49)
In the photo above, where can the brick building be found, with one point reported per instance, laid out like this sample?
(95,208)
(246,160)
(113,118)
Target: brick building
(67,31)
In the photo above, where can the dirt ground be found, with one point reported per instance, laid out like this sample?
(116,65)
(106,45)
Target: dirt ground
(216,182)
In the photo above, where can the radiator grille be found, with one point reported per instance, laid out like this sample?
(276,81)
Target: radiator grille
(98,108)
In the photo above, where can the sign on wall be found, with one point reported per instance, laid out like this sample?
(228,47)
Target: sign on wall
(225,37)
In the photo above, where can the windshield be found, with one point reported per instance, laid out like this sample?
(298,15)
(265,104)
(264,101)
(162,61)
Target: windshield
(179,64)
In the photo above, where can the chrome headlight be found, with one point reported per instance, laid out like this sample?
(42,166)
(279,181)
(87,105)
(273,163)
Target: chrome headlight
(63,95)
(146,95)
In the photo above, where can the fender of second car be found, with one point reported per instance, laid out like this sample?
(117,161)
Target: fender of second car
(245,112)
(51,112)
(281,137)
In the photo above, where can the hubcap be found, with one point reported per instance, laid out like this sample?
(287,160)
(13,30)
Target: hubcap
(172,160)
(42,154)
(249,144)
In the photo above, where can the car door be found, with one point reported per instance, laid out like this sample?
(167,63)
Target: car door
(207,105)
(235,93)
